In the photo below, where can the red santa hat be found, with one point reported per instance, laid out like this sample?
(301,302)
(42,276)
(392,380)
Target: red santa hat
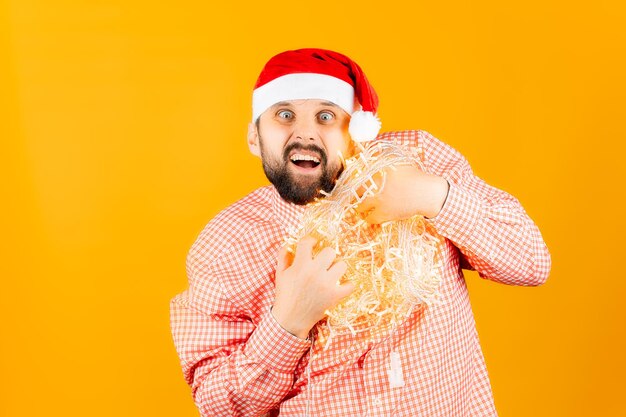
(319,74)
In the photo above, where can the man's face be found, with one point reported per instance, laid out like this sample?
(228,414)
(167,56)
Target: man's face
(299,142)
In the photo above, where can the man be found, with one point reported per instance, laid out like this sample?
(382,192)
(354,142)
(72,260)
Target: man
(244,329)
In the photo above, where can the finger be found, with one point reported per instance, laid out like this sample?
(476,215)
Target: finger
(373,217)
(326,257)
(337,270)
(366,205)
(376,217)
(304,249)
(341,290)
(284,259)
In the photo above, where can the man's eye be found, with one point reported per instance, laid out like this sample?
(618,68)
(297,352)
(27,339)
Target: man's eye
(326,116)
(285,114)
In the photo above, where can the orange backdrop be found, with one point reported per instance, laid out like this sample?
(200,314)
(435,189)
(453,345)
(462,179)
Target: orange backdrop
(123,133)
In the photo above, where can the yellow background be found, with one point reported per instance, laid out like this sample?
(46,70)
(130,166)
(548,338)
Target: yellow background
(123,132)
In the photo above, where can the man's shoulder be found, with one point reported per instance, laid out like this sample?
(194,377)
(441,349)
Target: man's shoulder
(237,222)
(409,137)
(254,207)
(232,256)
(422,140)
(416,137)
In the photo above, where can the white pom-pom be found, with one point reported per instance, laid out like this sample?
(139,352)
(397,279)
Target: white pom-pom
(364,126)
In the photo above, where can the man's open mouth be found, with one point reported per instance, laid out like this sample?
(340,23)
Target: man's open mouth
(305,161)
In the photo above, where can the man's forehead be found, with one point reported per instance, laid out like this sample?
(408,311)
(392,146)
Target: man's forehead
(293,103)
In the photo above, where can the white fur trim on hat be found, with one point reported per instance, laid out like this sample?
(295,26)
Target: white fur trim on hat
(302,86)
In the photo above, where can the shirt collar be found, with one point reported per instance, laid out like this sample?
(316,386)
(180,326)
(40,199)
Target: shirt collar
(287,214)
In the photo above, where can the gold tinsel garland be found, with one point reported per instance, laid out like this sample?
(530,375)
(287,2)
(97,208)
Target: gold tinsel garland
(393,265)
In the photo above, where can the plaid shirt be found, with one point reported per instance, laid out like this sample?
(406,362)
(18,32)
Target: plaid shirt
(240,362)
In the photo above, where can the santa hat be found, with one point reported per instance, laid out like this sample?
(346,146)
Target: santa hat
(319,74)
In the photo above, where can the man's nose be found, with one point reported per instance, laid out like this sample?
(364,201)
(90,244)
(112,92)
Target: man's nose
(305,130)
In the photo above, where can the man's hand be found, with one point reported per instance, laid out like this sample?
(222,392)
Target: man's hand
(408,191)
(307,287)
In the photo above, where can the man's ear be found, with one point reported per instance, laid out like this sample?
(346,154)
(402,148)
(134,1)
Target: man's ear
(253,140)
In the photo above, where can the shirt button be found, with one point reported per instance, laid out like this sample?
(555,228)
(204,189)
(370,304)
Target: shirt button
(377,401)
(449,230)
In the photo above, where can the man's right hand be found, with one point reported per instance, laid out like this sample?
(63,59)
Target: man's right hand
(307,287)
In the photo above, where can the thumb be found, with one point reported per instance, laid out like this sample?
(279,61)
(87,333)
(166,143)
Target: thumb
(373,217)
(345,290)
(366,205)
(284,259)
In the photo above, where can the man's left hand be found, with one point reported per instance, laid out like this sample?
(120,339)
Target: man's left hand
(408,191)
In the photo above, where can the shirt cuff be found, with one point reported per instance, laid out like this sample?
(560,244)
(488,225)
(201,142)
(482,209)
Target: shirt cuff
(460,215)
(275,347)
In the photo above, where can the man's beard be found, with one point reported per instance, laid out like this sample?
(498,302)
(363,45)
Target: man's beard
(300,190)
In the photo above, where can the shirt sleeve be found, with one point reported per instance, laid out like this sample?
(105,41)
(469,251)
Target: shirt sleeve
(489,226)
(233,366)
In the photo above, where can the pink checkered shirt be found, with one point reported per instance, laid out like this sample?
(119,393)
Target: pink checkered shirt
(240,362)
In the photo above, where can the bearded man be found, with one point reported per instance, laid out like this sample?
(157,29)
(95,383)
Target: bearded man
(244,328)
